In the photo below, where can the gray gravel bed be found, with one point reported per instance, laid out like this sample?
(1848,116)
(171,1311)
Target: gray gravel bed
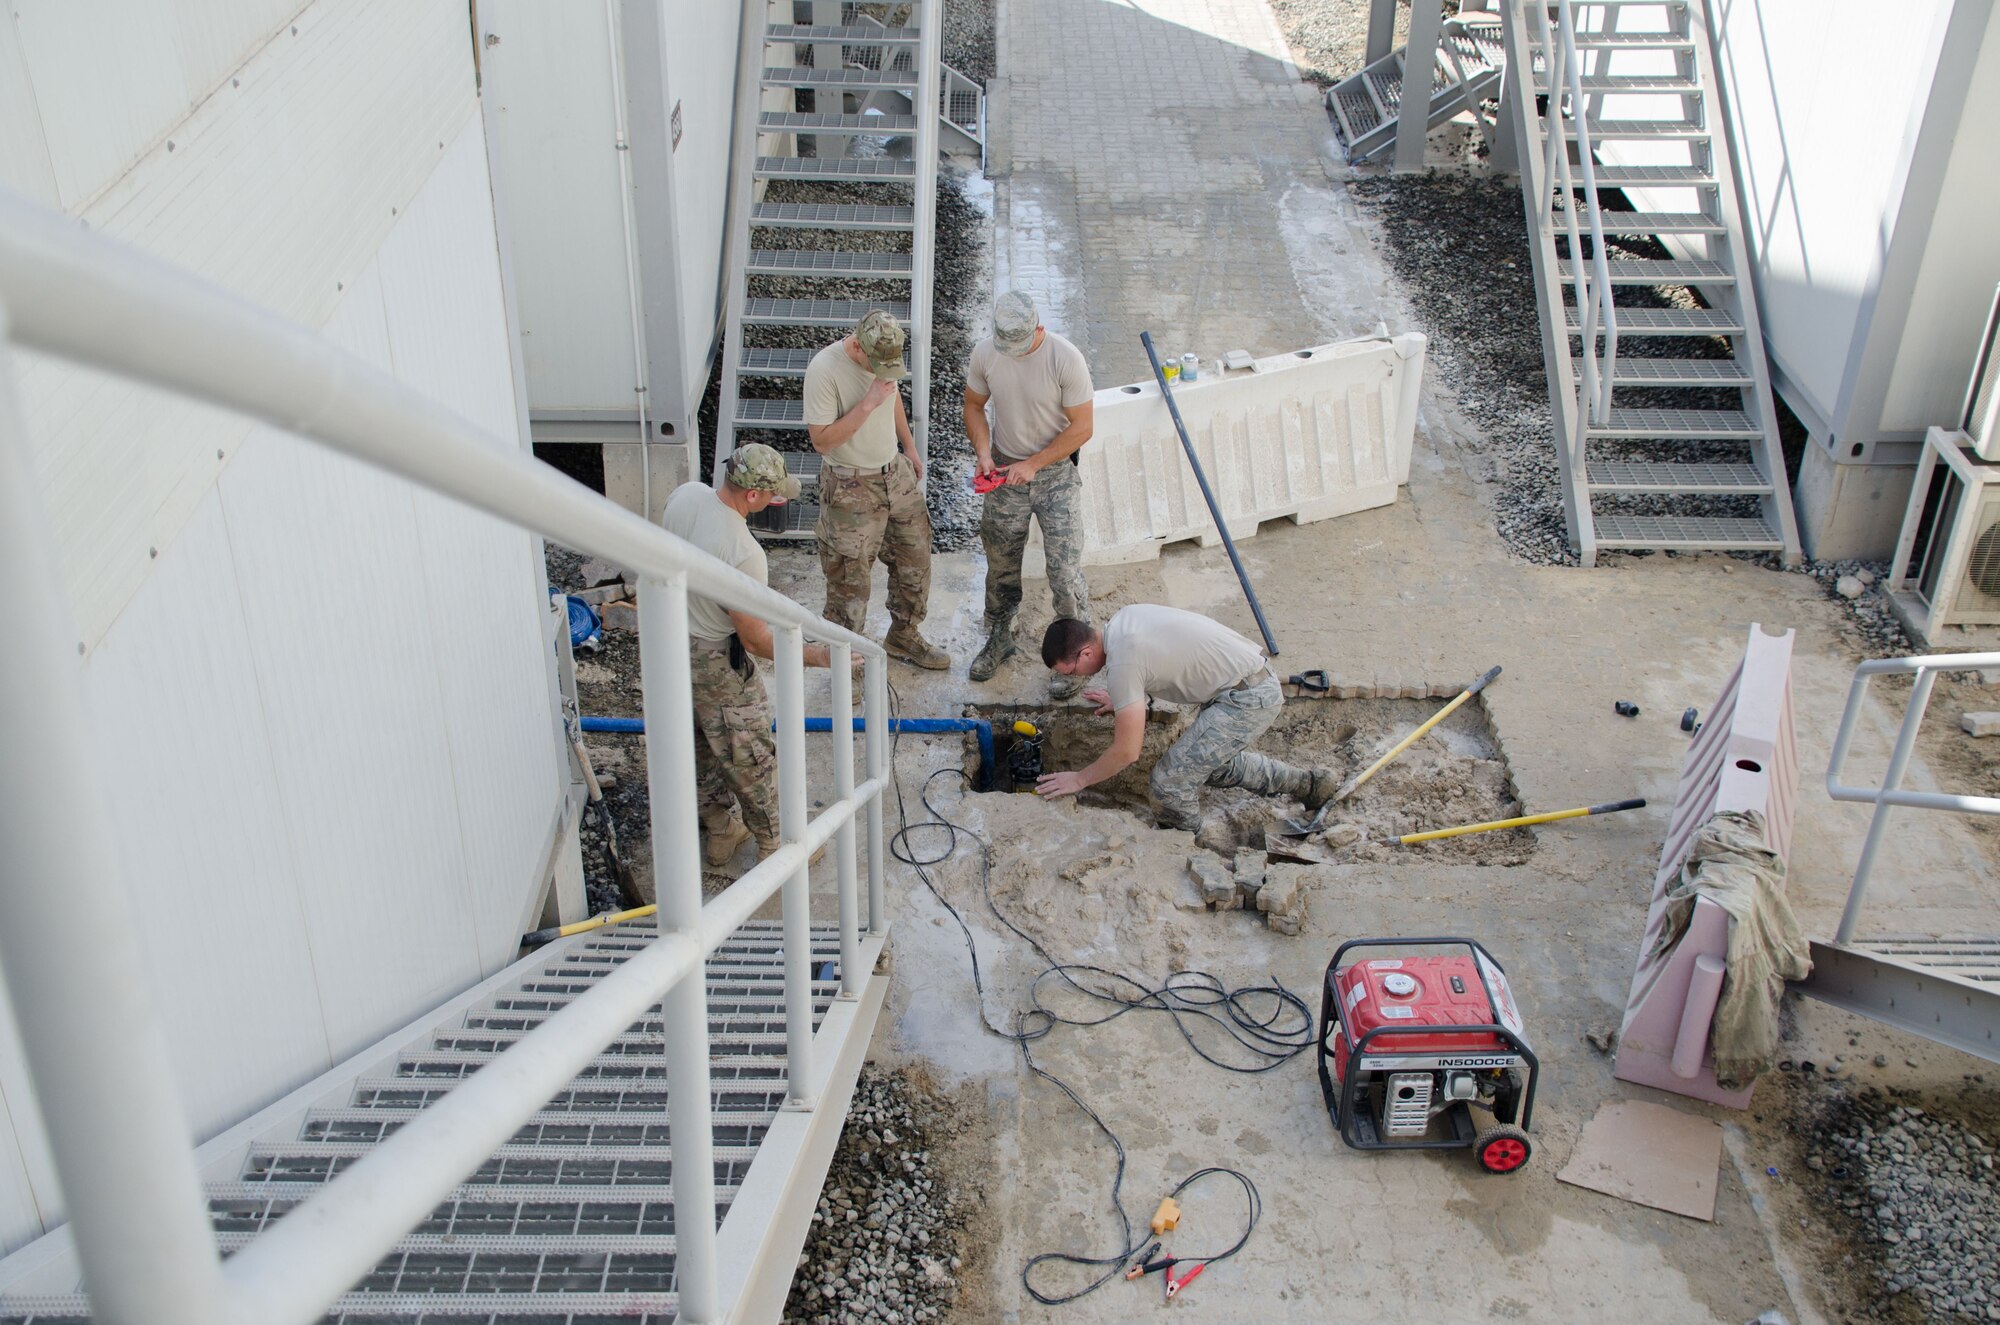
(1329,37)
(1922,1192)
(884,1244)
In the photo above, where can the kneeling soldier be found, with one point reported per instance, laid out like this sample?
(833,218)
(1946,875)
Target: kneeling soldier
(1150,652)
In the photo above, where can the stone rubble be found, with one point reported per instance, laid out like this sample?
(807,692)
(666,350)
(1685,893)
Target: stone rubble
(1924,1193)
(884,1245)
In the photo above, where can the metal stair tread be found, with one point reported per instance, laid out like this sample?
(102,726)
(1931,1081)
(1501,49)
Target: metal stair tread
(305,1149)
(450,1244)
(820,312)
(798,76)
(828,122)
(846,34)
(863,169)
(1627,83)
(1609,175)
(1600,130)
(1644,41)
(1736,533)
(1633,371)
(828,262)
(1666,321)
(627,1308)
(385,1093)
(1721,424)
(1655,271)
(1651,223)
(832,216)
(1662,476)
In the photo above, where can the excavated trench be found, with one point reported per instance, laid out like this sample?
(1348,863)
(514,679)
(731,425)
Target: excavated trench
(1456,774)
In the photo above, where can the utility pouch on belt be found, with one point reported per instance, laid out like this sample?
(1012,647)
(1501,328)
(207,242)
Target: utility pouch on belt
(738,659)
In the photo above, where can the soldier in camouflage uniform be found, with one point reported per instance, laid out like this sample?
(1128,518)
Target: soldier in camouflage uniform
(1149,652)
(871,496)
(1039,387)
(735,756)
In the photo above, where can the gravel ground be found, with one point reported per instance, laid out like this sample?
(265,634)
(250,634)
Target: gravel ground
(1328,37)
(1919,1196)
(885,1240)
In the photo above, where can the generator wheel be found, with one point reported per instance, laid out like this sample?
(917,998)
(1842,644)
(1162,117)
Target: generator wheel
(1501,1149)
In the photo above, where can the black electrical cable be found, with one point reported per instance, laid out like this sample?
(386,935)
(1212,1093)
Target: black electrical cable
(1271,1039)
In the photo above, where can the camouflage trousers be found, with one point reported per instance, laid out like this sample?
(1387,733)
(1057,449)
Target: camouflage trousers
(869,516)
(735,755)
(1052,497)
(1211,753)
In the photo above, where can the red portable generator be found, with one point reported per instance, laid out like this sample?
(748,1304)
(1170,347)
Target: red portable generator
(1410,1044)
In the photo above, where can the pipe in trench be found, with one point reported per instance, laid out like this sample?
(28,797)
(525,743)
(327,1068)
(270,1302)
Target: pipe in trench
(982,729)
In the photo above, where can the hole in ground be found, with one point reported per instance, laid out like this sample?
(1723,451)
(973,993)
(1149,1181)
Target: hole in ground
(1454,775)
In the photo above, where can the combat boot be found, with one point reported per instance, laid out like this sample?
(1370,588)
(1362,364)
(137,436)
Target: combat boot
(999,647)
(905,643)
(1319,789)
(723,841)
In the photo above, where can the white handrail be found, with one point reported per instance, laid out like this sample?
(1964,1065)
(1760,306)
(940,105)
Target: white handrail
(1595,306)
(114,1115)
(1889,793)
(924,146)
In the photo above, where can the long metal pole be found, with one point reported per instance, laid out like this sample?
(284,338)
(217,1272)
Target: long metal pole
(1899,760)
(797,892)
(876,711)
(667,677)
(1208,495)
(100,1066)
(843,787)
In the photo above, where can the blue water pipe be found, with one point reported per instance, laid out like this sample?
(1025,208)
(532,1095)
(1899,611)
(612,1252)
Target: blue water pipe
(914,726)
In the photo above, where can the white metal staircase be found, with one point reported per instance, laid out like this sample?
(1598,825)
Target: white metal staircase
(1367,107)
(806,262)
(512,1159)
(573,1221)
(1665,431)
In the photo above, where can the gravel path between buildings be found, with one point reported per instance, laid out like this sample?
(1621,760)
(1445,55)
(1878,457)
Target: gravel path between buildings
(886,1239)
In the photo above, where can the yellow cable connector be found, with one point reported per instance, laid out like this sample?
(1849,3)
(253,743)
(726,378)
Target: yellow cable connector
(1168,1216)
(1022,727)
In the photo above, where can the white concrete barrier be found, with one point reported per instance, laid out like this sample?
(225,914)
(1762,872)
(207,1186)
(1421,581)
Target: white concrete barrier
(1315,433)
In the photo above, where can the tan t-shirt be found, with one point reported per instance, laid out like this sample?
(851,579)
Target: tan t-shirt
(1180,657)
(1030,394)
(835,385)
(697,514)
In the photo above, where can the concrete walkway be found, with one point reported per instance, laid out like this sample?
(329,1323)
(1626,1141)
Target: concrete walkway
(1157,166)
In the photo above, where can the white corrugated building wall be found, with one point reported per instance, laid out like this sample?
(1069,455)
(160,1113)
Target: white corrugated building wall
(322,699)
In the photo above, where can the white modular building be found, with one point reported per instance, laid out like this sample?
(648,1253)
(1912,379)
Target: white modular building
(324,700)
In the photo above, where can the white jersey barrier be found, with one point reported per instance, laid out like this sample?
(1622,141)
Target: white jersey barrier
(1307,435)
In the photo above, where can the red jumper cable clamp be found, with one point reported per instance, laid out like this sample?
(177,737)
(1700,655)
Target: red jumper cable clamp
(1174,1285)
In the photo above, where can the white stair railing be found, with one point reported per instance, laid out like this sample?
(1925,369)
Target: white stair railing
(96,1053)
(1890,792)
(1592,281)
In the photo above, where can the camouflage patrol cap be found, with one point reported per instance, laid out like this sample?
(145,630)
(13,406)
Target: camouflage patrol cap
(758,466)
(1014,321)
(880,337)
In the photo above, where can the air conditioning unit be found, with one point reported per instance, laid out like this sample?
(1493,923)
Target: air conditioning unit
(1947,566)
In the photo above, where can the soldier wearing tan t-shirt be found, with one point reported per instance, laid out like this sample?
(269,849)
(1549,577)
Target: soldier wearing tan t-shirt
(1149,652)
(735,756)
(1040,391)
(871,497)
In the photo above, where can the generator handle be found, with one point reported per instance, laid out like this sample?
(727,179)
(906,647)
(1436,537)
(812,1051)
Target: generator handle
(1435,942)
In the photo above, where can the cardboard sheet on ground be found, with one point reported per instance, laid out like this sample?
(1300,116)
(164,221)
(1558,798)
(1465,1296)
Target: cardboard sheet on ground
(1651,1155)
